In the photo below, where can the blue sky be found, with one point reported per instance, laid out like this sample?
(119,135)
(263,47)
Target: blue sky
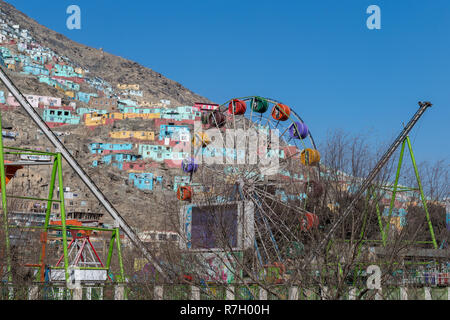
(316,56)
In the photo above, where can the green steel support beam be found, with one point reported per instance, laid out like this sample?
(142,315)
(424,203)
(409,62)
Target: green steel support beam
(4,207)
(394,192)
(110,251)
(63,215)
(31,198)
(424,201)
(119,254)
(48,213)
(380,223)
(30,151)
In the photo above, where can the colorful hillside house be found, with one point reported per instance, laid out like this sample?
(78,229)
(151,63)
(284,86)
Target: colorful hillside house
(142,181)
(105,148)
(180,181)
(85,97)
(174,132)
(82,111)
(160,153)
(117,159)
(60,117)
(138,135)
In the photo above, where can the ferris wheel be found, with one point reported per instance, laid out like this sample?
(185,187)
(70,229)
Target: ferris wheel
(259,151)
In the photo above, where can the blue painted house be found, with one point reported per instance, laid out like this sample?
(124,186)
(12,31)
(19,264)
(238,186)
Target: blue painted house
(35,69)
(81,111)
(160,153)
(60,116)
(99,147)
(117,159)
(85,96)
(179,113)
(172,131)
(179,181)
(142,181)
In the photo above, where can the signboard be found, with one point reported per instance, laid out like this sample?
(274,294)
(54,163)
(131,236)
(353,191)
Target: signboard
(217,267)
(79,275)
(222,226)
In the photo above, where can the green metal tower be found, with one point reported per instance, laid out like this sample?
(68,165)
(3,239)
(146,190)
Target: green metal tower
(56,179)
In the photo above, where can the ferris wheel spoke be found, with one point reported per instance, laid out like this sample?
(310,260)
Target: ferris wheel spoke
(280,221)
(272,238)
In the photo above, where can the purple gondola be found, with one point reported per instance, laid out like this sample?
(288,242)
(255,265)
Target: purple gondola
(189,165)
(298,129)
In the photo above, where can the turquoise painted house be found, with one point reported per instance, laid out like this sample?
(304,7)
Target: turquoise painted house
(172,131)
(60,116)
(35,69)
(116,159)
(142,181)
(179,113)
(160,153)
(81,111)
(85,96)
(65,71)
(99,147)
(179,181)
(49,81)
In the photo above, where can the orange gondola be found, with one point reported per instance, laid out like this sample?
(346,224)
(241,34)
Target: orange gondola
(184,193)
(281,112)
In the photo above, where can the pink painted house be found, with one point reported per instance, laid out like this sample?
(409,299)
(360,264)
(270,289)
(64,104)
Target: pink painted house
(11,101)
(45,101)
(198,106)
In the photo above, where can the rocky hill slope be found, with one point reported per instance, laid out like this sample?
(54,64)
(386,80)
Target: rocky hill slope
(142,209)
(111,68)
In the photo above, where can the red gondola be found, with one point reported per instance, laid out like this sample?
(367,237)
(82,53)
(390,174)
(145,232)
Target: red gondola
(217,119)
(309,221)
(237,107)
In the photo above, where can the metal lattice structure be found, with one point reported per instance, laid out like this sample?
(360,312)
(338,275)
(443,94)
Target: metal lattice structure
(64,153)
(9,163)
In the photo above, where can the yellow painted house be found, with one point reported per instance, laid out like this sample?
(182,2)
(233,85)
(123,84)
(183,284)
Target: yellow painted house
(79,71)
(139,135)
(123,86)
(70,94)
(141,115)
(93,119)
